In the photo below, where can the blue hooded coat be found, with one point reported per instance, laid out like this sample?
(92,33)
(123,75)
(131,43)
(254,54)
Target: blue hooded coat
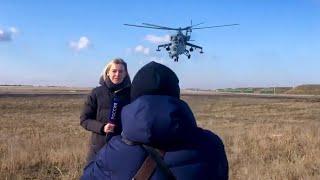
(158,118)
(167,123)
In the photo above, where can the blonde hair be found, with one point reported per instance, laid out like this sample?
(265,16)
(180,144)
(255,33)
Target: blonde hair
(107,68)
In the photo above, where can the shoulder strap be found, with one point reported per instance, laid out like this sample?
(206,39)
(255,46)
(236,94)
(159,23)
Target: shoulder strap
(146,169)
(154,159)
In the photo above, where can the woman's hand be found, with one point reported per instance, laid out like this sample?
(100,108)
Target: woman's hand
(108,128)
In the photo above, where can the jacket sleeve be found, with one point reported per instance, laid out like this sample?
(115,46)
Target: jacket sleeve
(217,156)
(88,118)
(223,166)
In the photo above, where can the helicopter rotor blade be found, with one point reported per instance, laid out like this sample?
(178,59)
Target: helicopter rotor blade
(191,27)
(157,26)
(151,27)
(216,26)
(197,24)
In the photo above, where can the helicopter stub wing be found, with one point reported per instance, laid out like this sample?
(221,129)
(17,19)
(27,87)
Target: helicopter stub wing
(195,46)
(164,45)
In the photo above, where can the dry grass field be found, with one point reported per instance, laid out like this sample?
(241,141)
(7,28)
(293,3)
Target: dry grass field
(305,89)
(265,138)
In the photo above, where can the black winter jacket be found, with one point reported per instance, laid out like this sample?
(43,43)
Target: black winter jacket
(95,114)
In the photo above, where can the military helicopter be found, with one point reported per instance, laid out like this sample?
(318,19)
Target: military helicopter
(179,42)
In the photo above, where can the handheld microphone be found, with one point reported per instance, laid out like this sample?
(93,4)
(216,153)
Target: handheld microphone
(114,115)
(115,110)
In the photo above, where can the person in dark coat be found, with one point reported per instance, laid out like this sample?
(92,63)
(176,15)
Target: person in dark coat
(157,117)
(115,82)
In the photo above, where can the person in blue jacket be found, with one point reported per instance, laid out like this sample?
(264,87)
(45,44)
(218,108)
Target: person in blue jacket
(157,117)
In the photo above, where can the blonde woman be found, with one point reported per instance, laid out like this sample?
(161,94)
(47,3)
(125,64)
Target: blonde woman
(95,117)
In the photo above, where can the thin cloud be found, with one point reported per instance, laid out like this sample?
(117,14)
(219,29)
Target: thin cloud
(7,35)
(142,49)
(157,39)
(153,58)
(13,30)
(128,50)
(158,60)
(82,43)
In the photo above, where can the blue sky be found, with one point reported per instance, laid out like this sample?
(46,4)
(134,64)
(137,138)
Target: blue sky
(67,43)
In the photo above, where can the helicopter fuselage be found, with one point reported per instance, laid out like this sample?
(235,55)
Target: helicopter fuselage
(178,44)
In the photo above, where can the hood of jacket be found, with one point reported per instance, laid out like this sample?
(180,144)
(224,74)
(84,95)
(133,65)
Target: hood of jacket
(157,120)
